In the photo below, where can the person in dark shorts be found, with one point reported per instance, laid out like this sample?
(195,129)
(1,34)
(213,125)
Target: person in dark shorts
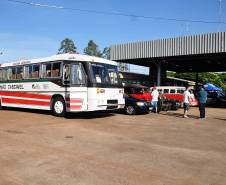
(186,107)
(202,97)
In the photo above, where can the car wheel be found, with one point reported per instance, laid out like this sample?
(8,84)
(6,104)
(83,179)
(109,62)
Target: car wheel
(58,107)
(130,110)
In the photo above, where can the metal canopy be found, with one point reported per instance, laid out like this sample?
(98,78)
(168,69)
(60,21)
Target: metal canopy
(197,53)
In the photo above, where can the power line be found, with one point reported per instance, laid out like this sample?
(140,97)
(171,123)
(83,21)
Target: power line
(116,13)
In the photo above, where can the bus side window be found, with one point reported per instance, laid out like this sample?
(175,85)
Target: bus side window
(28,72)
(166,91)
(172,91)
(13,73)
(46,70)
(66,72)
(19,73)
(56,69)
(4,74)
(32,71)
(9,74)
(35,71)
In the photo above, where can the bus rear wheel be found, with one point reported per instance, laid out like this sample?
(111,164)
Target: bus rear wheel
(58,107)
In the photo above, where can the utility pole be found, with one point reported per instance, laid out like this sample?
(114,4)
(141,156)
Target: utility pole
(220,15)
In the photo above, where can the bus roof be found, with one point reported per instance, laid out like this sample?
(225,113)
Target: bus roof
(59,57)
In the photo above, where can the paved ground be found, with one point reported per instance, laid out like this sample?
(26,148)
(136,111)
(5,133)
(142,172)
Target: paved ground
(112,149)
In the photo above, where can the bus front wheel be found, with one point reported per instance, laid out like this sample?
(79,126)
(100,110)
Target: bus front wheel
(58,107)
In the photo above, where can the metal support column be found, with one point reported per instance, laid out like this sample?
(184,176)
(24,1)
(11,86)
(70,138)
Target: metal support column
(159,73)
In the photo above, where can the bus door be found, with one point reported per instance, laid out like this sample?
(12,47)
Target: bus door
(75,81)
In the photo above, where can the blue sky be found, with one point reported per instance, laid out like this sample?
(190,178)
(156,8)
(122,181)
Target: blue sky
(30,32)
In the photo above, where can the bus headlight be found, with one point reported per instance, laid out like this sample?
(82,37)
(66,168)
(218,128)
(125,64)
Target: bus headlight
(100,90)
(140,104)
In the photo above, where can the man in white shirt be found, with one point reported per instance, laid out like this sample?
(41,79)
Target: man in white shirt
(187,97)
(154,101)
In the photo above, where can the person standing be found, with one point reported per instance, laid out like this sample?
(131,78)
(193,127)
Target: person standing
(154,101)
(202,97)
(186,102)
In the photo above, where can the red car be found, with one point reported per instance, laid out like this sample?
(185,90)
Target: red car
(139,92)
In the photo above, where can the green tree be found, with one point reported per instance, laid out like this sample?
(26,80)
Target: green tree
(214,78)
(106,53)
(67,46)
(123,67)
(206,77)
(92,49)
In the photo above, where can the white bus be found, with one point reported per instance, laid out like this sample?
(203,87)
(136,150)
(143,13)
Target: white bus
(61,83)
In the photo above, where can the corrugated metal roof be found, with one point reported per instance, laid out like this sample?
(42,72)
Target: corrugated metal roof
(180,46)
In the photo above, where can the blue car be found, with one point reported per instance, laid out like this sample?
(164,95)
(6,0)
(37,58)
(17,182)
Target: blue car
(135,101)
(136,106)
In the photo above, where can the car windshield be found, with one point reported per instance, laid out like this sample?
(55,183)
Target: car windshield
(135,90)
(105,73)
(141,90)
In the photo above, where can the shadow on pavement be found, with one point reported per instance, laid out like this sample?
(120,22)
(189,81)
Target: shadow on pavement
(221,119)
(27,110)
(179,115)
(89,115)
(78,115)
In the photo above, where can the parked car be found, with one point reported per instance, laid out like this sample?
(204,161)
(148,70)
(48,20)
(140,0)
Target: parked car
(137,99)
(216,98)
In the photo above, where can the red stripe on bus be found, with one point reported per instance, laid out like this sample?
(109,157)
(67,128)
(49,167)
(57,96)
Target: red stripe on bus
(76,100)
(75,106)
(25,95)
(24,102)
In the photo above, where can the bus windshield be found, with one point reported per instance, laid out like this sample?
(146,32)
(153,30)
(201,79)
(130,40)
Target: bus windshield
(105,73)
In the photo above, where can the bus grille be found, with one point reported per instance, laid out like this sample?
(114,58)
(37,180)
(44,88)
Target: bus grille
(112,102)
